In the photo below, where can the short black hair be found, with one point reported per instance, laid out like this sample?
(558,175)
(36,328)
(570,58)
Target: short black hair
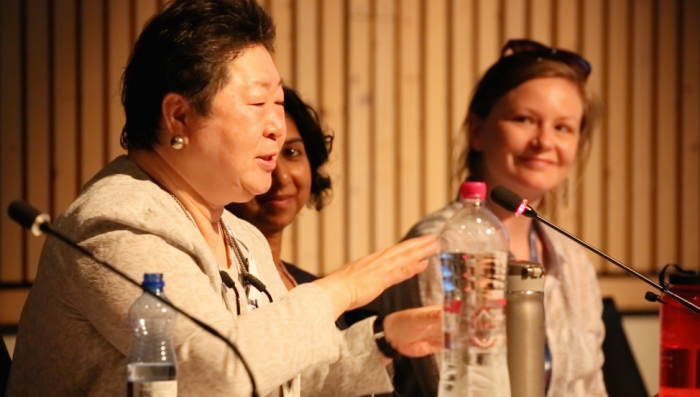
(316,143)
(186,49)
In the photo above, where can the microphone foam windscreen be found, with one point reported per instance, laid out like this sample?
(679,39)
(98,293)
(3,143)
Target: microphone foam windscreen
(506,198)
(23,213)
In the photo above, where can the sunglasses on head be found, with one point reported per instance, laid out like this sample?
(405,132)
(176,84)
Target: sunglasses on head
(534,49)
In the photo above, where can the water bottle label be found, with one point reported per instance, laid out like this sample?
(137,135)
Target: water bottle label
(452,375)
(485,322)
(486,304)
(167,388)
(453,371)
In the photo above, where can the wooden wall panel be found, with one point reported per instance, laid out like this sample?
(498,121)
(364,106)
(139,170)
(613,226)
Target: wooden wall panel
(590,211)
(514,20)
(91,130)
(282,13)
(306,82)
(357,211)
(541,21)
(408,104)
(617,133)
(565,35)
(65,105)
(143,10)
(392,80)
(641,126)
(665,137)
(37,105)
(690,138)
(436,144)
(566,25)
(488,47)
(384,126)
(331,106)
(12,68)
(461,78)
(118,49)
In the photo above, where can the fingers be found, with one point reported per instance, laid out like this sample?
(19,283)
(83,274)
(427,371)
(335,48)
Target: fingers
(412,250)
(421,317)
(415,332)
(408,258)
(368,258)
(404,272)
(358,283)
(422,349)
(416,248)
(412,323)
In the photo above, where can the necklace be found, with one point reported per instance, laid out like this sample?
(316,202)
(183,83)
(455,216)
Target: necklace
(229,240)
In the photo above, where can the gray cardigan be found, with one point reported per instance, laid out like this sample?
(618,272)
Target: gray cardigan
(74,334)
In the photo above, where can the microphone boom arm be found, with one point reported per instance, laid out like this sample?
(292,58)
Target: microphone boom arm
(662,289)
(512,202)
(42,223)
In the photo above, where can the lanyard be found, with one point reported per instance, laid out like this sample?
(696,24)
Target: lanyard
(547,352)
(533,243)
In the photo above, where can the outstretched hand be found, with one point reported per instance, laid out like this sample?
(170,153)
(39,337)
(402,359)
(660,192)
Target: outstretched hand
(415,332)
(358,283)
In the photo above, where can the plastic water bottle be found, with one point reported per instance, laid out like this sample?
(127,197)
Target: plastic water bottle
(152,364)
(474,259)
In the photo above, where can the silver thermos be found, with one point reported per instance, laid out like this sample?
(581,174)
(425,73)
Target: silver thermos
(525,328)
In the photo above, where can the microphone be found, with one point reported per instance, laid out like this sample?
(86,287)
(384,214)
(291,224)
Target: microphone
(511,201)
(30,218)
(255,282)
(228,282)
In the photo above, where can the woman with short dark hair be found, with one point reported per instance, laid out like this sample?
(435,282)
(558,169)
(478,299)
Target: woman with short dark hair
(204,127)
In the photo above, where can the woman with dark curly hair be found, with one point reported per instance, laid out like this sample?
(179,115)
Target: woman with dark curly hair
(297,181)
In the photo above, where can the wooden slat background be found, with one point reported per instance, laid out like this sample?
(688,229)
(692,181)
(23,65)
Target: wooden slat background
(392,79)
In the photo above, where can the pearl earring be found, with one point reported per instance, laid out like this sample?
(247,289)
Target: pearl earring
(177,143)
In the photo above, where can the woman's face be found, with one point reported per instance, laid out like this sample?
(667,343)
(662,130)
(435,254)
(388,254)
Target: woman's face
(231,153)
(530,139)
(291,186)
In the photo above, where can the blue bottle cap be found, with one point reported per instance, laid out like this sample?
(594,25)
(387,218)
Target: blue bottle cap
(153,281)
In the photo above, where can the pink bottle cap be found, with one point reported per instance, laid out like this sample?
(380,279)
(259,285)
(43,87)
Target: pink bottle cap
(473,190)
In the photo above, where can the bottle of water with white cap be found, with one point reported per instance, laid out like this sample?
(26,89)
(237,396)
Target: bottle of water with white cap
(474,259)
(152,364)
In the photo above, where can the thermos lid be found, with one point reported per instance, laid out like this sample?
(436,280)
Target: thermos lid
(525,276)
(688,277)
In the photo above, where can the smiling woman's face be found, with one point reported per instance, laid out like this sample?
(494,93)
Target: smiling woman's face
(291,186)
(530,138)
